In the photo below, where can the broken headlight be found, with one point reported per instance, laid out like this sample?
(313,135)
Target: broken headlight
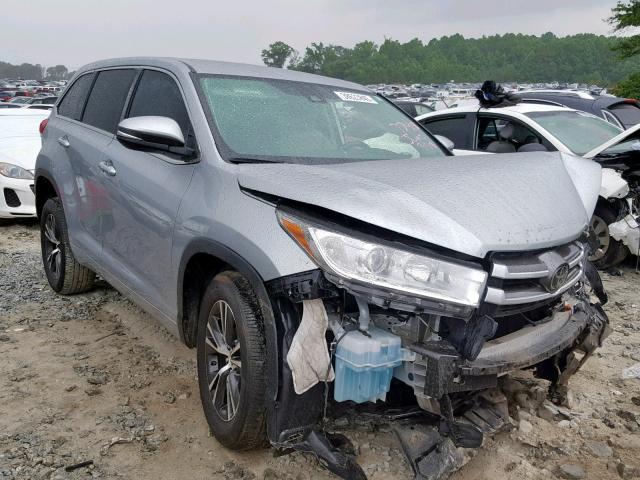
(367,262)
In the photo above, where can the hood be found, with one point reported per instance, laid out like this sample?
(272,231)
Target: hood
(622,137)
(471,204)
(21,151)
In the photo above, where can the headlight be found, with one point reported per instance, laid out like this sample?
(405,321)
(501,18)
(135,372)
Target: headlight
(371,263)
(14,171)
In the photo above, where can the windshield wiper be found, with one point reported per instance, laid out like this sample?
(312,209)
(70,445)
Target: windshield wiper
(252,160)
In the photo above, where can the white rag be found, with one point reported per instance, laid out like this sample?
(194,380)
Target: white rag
(308,357)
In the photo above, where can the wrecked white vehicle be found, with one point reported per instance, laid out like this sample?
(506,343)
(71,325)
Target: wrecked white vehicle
(620,160)
(533,127)
(321,251)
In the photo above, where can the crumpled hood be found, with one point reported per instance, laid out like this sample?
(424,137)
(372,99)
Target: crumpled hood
(472,204)
(21,151)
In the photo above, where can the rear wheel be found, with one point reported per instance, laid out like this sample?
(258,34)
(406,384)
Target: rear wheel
(231,362)
(64,273)
(612,252)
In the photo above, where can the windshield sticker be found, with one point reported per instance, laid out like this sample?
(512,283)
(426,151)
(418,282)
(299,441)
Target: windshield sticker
(355,97)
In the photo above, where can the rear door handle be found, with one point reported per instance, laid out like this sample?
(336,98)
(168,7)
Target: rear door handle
(64,141)
(108,168)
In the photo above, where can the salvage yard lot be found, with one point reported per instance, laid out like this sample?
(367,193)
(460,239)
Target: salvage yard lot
(92,378)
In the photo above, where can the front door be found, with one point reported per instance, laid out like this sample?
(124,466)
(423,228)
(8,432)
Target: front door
(145,192)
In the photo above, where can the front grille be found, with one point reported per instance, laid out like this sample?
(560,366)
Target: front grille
(534,277)
(11,198)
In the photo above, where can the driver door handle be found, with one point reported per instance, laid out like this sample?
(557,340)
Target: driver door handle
(108,168)
(64,141)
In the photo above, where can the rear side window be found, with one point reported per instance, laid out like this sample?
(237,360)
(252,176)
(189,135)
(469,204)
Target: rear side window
(452,127)
(158,94)
(73,102)
(627,113)
(107,98)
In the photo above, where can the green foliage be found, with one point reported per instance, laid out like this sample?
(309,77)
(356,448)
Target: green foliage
(25,71)
(628,88)
(277,55)
(626,16)
(583,58)
(57,72)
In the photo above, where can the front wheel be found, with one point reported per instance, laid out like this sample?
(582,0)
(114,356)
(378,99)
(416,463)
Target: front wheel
(612,252)
(232,362)
(64,273)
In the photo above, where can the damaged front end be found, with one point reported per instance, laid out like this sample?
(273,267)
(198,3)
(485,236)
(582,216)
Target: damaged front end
(380,315)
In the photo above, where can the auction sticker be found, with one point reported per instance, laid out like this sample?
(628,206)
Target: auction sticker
(355,97)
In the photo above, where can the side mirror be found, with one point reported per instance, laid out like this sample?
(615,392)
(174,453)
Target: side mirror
(158,133)
(448,144)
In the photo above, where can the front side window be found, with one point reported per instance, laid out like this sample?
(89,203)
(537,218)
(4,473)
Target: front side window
(288,121)
(73,101)
(107,98)
(158,94)
(580,132)
(492,129)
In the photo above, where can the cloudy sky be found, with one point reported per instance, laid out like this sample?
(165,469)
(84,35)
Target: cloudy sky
(75,32)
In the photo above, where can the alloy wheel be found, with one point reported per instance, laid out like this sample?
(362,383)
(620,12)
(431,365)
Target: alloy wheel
(224,366)
(53,255)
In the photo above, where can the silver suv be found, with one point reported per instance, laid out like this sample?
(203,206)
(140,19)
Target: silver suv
(316,246)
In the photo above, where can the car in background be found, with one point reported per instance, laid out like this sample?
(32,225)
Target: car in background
(7,95)
(21,100)
(528,127)
(10,105)
(413,108)
(621,112)
(46,100)
(19,146)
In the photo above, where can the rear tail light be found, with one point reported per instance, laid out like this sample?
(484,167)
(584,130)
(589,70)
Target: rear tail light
(632,100)
(43,125)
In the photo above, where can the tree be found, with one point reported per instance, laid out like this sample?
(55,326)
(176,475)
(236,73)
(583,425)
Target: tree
(58,72)
(278,54)
(626,16)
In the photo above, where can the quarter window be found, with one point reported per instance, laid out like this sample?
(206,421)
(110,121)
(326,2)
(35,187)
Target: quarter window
(158,94)
(106,101)
(73,102)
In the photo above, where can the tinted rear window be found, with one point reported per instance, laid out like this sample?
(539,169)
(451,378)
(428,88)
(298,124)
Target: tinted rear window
(627,113)
(158,94)
(453,128)
(107,98)
(73,102)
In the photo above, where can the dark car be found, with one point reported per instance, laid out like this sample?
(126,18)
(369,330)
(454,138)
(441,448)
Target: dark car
(413,108)
(622,112)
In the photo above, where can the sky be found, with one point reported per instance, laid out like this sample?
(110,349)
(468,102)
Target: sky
(75,32)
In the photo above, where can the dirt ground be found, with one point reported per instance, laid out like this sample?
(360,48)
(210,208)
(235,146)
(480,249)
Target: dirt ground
(92,378)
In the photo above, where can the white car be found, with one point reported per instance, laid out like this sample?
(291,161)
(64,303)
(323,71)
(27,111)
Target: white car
(19,146)
(528,127)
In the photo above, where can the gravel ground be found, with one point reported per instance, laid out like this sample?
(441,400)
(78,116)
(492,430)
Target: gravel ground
(91,378)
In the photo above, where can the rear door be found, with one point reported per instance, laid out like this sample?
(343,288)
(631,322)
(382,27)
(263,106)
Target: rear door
(145,193)
(85,138)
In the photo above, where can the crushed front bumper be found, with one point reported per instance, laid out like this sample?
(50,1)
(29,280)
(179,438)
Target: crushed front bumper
(440,370)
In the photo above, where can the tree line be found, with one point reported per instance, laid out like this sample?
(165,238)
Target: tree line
(582,58)
(28,71)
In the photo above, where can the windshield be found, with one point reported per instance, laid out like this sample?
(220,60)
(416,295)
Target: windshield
(580,132)
(287,121)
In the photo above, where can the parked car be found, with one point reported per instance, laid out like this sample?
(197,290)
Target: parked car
(307,237)
(528,127)
(413,108)
(19,146)
(20,100)
(621,112)
(10,105)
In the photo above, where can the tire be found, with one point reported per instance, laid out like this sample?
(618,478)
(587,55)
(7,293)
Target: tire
(238,424)
(65,275)
(614,251)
